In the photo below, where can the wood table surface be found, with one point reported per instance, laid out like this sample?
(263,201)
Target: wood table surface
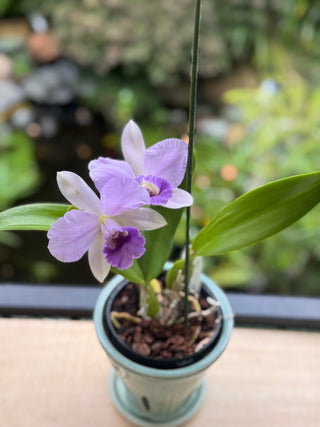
(54,373)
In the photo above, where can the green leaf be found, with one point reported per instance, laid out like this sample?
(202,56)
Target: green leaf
(134,273)
(38,216)
(259,214)
(159,244)
(173,272)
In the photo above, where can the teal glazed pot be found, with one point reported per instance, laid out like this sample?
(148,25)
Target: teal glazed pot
(151,396)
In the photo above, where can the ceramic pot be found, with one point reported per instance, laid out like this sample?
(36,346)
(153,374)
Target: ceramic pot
(159,396)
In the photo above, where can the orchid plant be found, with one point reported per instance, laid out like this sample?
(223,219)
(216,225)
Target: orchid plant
(127,224)
(129,228)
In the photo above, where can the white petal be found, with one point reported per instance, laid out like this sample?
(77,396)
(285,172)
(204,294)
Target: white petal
(180,198)
(77,192)
(133,147)
(142,218)
(97,261)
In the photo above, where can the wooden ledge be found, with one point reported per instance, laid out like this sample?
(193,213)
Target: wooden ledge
(54,373)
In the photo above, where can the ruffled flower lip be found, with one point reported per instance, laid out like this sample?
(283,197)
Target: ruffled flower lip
(159,189)
(122,246)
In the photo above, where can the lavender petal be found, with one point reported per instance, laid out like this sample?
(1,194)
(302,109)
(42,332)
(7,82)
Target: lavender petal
(167,159)
(103,169)
(71,236)
(122,194)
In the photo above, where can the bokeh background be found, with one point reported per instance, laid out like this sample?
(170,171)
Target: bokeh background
(73,72)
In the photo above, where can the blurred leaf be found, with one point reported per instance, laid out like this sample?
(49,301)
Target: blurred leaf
(10,239)
(19,174)
(4,6)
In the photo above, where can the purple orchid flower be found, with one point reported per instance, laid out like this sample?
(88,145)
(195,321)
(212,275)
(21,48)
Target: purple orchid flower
(159,169)
(109,228)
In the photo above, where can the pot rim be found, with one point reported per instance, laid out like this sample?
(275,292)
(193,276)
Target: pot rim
(198,366)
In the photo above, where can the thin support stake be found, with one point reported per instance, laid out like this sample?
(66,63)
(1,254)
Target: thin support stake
(191,132)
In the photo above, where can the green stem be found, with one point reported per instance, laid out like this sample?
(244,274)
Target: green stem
(191,132)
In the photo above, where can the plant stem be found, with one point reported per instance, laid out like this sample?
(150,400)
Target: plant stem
(191,133)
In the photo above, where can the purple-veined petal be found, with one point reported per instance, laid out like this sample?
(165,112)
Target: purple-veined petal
(142,218)
(104,169)
(122,246)
(133,147)
(97,261)
(77,192)
(180,199)
(122,194)
(71,236)
(159,189)
(167,159)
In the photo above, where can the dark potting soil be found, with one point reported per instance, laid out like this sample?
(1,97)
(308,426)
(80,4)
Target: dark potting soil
(151,339)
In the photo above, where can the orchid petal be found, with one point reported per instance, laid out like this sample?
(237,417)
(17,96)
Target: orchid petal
(179,199)
(97,261)
(77,192)
(133,147)
(104,169)
(122,194)
(71,236)
(142,218)
(167,159)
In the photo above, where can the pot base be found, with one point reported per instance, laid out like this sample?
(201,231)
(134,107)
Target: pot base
(118,395)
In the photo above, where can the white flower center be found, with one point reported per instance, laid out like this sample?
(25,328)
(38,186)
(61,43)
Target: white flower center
(153,190)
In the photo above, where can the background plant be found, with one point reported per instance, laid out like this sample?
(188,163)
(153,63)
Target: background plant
(138,36)
(277,135)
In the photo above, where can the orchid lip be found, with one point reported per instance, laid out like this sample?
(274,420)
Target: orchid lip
(122,246)
(152,189)
(113,237)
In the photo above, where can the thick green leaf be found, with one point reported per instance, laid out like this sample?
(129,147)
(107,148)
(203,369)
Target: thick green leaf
(134,273)
(259,214)
(38,216)
(159,244)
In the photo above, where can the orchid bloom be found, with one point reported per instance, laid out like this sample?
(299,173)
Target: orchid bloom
(159,169)
(108,228)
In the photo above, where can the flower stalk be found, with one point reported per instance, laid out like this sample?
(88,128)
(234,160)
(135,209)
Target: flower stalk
(191,133)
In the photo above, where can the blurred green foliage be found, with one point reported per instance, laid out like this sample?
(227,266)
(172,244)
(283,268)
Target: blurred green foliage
(120,98)
(153,38)
(278,135)
(19,175)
